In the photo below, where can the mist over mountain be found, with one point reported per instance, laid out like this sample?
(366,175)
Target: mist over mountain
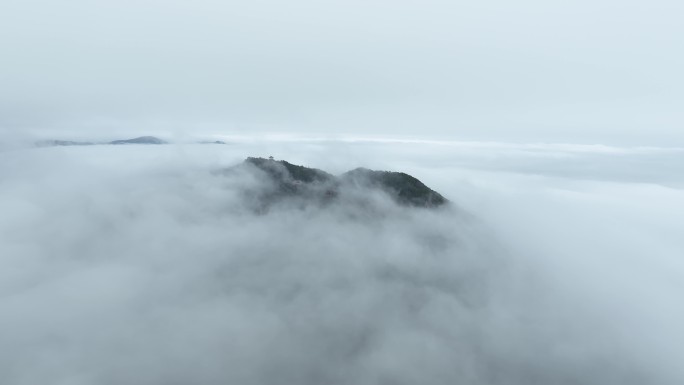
(343,192)
(137,140)
(162,264)
(46,143)
(285,182)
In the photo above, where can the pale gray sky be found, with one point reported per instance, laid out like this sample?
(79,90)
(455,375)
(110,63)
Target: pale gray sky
(600,71)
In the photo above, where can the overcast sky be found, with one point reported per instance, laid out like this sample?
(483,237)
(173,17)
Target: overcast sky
(599,71)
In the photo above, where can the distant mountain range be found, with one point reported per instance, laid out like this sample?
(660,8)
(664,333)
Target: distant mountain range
(286,182)
(139,140)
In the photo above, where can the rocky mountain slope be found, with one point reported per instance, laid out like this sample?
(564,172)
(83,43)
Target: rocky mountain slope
(281,181)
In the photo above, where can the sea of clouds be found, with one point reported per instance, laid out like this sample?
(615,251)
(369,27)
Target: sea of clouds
(556,264)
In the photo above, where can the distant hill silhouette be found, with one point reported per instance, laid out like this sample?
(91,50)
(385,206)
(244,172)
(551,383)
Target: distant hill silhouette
(50,143)
(139,140)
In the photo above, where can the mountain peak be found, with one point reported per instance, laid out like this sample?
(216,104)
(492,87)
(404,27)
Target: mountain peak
(139,140)
(290,180)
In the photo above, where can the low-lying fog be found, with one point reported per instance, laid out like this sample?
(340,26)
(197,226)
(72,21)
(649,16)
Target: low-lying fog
(558,264)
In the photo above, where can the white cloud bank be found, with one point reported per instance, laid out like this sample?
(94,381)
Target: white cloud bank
(137,265)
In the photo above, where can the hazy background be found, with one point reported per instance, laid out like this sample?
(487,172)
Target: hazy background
(603,71)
